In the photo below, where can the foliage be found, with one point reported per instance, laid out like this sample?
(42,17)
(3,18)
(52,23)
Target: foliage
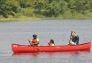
(48,8)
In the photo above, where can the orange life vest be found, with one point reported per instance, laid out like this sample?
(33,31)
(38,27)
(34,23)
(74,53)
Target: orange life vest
(34,41)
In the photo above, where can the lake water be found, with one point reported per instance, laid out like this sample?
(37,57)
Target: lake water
(59,30)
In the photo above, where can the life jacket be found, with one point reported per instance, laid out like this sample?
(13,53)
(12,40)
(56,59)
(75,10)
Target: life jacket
(35,41)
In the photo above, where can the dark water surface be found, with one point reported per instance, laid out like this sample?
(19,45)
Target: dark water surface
(59,30)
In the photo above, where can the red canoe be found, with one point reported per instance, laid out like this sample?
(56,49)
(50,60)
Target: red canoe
(66,48)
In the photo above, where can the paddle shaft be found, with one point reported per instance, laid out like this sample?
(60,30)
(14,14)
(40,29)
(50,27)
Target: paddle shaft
(29,42)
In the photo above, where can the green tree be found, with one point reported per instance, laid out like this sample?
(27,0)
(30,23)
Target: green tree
(55,8)
(8,7)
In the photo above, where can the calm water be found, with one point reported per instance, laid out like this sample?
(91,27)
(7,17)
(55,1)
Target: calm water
(59,30)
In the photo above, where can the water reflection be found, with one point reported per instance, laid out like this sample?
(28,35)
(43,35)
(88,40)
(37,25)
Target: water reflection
(71,57)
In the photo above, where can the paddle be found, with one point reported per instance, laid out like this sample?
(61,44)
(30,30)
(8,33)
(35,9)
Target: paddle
(29,42)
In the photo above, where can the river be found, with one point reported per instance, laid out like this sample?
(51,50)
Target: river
(59,30)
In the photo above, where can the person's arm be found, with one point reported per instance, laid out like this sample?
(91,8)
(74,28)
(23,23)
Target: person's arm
(49,43)
(38,40)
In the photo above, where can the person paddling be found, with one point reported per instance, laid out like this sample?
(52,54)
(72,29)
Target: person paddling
(74,38)
(51,43)
(34,41)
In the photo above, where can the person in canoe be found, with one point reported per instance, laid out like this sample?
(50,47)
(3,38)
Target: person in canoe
(34,41)
(74,38)
(51,43)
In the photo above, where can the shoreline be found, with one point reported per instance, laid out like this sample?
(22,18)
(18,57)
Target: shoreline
(25,18)
(12,19)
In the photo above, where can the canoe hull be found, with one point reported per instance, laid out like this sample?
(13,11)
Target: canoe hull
(66,48)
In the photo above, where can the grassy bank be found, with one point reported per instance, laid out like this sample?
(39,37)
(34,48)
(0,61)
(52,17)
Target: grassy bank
(67,15)
(22,18)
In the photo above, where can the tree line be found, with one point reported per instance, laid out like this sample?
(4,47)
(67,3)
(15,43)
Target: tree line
(48,8)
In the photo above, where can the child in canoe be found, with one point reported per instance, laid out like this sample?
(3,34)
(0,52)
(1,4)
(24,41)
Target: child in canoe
(34,41)
(51,43)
